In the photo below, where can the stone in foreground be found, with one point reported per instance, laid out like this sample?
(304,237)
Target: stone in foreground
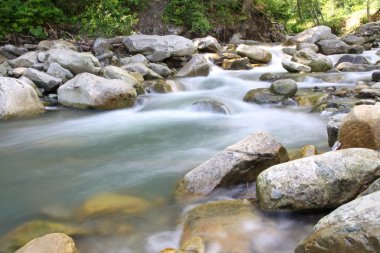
(352,228)
(361,128)
(50,243)
(90,91)
(237,164)
(18,99)
(323,181)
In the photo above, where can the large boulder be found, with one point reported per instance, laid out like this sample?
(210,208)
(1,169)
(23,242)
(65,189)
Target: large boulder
(113,72)
(294,67)
(323,181)
(313,35)
(237,164)
(353,40)
(255,54)
(148,44)
(50,243)
(199,65)
(91,91)
(26,60)
(328,47)
(43,80)
(361,128)
(317,62)
(352,228)
(76,62)
(46,45)
(18,99)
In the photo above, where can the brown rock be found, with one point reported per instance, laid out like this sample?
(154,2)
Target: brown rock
(50,243)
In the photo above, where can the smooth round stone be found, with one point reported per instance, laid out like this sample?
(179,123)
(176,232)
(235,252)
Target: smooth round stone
(286,87)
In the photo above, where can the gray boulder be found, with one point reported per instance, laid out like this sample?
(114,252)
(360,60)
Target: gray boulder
(43,80)
(18,99)
(289,51)
(323,181)
(18,51)
(158,56)
(138,58)
(353,59)
(255,54)
(352,67)
(237,164)
(307,45)
(31,83)
(207,44)
(52,243)
(262,96)
(4,68)
(374,187)
(146,72)
(313,35)
(294,67)
(148,44)
(91,91)
(352,228)
(333,126)
(328,47)
(286,87)
(57,71)
(353,40)
(112,72)
(24,61)
(161,69)
(75,62)
(317,62)
(46,45)
(199,65)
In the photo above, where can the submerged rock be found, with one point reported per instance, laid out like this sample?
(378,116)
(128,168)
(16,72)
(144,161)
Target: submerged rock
(90,91)
(18,99)
(255,54)
(210,106)
(237,164)
(352,228)
(323,181)
(50,243)
(361,128)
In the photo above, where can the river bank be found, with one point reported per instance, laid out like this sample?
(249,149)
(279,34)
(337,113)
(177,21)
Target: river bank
(107,178)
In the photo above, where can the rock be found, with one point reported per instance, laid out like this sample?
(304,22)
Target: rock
(356,50)
(101,46)
(199,65)
(333,126)
(367,46)
(34,86)
(255,54)
(294,67)
(353,59)
(361,128)
(57,71)
(50,243)
(26,232)
(286,87)
(289,51)
(376,76)
(76,62)
(194,245)
(158,86)
(158,56)
(112,72)
(169,250)
(317,62)
(262,96)
(366,102)
(42,56)
(18,51)
(160,69)
(43,80)
(18,99)
(328,47)
(138,58)
(369,93)
(146,72)
(309,150)
(210,106)
(310,46)
(111,204)
(46,45)
(17,72)
(148,44)
(4,68)
(236,64)
(351,67)
(237,164)
(207,44)
(352,228)
(3,58)
(312,35)
(369,29)
(353,40)
(24,61)
(323,181)
(90,91)
(374,187)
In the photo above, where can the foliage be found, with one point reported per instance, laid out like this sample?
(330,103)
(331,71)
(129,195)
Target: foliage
(18,16)
(108,17)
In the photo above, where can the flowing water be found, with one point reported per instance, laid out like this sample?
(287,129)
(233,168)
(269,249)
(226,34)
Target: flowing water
(51,164)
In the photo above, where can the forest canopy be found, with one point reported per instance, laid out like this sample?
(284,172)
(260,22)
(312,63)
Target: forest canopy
(91,18)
